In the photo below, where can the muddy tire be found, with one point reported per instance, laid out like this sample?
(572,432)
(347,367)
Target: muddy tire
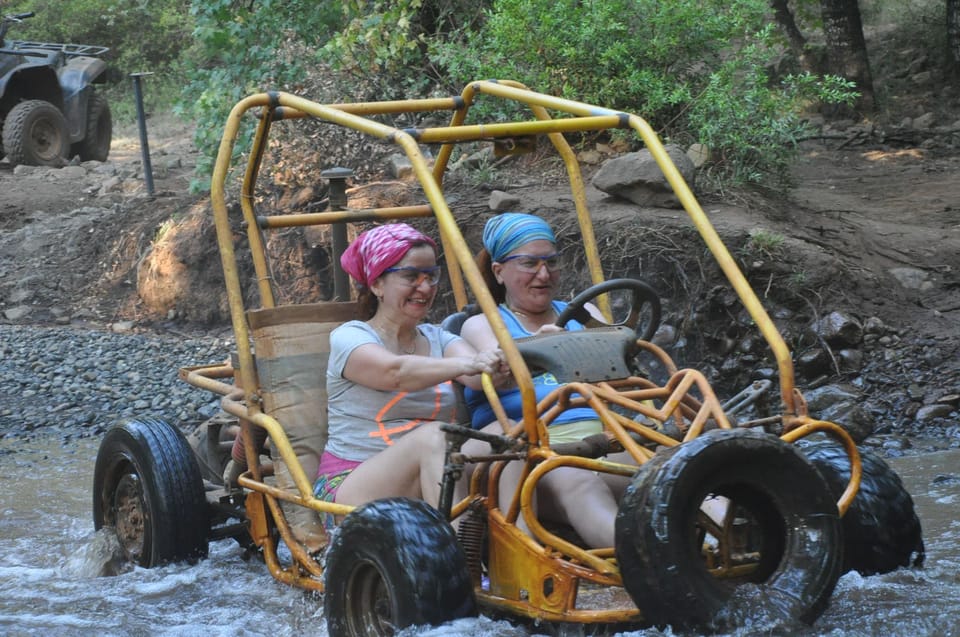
(95,144)
(789,547)
(35,133)
(394,563)
(147,487)
(881,529)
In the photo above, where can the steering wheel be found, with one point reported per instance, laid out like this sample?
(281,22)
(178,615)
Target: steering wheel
(642,295)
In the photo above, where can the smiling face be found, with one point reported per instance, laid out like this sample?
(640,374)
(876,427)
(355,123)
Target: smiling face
(528,291)
(399,301)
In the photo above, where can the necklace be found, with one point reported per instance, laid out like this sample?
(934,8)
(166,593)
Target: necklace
(547,312)
(532,322)
(411,350)
(400,348)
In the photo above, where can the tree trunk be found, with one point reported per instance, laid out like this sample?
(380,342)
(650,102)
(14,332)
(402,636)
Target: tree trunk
(953,34)
(847,49)
(798,43)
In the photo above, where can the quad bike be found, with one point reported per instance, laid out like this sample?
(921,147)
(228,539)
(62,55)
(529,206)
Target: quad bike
(49,110)
(778,538)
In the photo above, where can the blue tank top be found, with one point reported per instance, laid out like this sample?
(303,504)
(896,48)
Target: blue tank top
(482,413)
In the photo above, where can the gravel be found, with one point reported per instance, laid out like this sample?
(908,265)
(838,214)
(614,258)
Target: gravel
(78,382)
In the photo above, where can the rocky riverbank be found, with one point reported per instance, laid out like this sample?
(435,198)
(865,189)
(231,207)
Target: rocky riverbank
(73,382)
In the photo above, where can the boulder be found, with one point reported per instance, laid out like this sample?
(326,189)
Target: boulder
(637,178)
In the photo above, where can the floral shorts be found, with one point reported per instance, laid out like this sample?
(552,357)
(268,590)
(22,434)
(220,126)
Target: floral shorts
(330,475)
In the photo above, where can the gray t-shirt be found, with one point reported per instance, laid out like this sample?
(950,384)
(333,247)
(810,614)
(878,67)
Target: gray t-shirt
(363,421)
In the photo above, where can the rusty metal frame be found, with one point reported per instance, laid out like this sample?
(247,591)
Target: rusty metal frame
(525,563)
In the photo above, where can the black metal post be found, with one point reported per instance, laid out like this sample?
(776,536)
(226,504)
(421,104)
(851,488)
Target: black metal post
(142,125)
(338,201)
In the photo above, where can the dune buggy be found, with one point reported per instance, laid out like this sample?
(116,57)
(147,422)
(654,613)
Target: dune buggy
(776,541)
(49,109)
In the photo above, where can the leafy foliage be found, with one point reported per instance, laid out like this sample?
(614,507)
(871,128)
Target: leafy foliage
(697,70)
(118,24)
(243,48)
(388,43)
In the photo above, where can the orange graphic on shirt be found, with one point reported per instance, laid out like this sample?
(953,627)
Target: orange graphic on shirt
(384,432)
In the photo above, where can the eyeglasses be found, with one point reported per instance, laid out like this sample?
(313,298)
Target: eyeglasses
(413,277)
(531,263)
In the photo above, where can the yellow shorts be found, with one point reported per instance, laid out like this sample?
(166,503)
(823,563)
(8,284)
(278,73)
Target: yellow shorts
(573,431)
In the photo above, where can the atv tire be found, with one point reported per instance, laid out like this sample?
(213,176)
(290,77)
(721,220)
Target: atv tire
(95,145)
(147,487)
(394,563)
(35,133)
(790,522)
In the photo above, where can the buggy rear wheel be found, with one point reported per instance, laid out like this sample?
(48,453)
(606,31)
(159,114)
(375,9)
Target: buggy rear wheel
(394,563)
(35,133)
(881,529)
(147,487)
(774,530)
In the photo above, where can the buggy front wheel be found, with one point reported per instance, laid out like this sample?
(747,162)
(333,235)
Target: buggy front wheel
(729,509)
(394,563)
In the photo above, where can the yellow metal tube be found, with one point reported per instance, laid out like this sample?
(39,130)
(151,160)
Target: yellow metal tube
(690,204)
(838,432)
(225,239)
(724,260)
(282,445)
(473,132)
(383,108)
(258,250)
(344,216)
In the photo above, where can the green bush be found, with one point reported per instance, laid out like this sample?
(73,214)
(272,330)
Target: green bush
(387,43)
(697,71)
(142,35)
(240,49)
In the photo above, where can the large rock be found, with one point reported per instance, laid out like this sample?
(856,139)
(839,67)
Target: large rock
(841,404)
(638,178)
(838,329)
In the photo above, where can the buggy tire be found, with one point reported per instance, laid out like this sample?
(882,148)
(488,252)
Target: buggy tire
(791,515)
(881,529)
(35,133)
(147,487)
(95,145)
(394,563)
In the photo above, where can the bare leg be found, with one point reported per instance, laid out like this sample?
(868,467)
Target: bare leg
(509,478)
(412,467)
(581,499)
(618,484)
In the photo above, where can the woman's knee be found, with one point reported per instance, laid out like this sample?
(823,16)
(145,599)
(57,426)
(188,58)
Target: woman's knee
(571,488)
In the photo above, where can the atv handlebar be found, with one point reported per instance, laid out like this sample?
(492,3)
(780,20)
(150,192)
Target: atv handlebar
(7,20)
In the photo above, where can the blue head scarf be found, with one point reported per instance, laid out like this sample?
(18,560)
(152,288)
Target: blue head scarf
(508,231)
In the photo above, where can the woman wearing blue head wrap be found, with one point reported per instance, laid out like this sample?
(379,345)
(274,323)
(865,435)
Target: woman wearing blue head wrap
(506,232)
(521,266)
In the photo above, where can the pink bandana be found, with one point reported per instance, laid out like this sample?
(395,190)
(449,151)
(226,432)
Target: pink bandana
(378,248)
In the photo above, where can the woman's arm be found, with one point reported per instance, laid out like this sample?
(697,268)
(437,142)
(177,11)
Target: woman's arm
(374,366)
(499,373)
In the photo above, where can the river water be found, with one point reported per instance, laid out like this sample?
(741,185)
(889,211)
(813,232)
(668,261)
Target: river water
(49,583)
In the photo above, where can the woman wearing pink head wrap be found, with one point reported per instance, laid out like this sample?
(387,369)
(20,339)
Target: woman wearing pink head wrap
(389,377)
